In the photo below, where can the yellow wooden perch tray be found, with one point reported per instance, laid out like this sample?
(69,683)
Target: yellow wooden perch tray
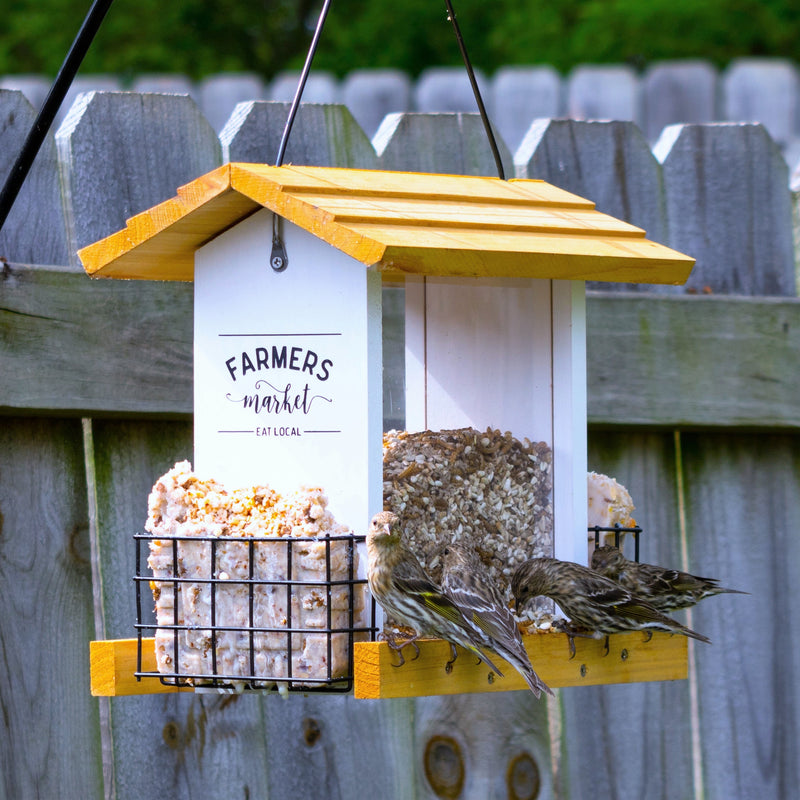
(630,659)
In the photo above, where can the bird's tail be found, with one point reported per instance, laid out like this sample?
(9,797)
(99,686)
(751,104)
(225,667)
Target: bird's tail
(536,684)
(518,658)
(483,657)
(693,634)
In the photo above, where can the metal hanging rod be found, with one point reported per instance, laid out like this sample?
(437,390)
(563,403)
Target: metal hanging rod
(451,15)
(55,97)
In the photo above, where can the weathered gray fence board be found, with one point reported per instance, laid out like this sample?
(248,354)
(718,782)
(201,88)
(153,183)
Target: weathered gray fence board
(743,514)
(448,89)
(321,87)
(121,153)
(678,91)
(633,741)
(339,748)
(729,206)
(34,231)
(73,345)
(218,95)
(195,745)
(765,90)
(521,95)
(499,742)
(50,724)
(371,94)
(609,163)
(603,92)
(698,361)
(452,143)
(322,136)
(690,361)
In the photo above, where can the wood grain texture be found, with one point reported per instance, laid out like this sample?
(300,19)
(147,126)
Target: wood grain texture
(452,143)
(629,660)
(729,205)
(35,230)
(399,222)
(114,662)
(48,716)
(498,757)
(323,135)
(134,357)
(339,747)
(121,153)
(704,361)
(743,514)
(636,740)
(701,361)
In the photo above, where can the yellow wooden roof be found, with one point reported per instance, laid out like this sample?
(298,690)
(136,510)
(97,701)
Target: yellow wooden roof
(400,222)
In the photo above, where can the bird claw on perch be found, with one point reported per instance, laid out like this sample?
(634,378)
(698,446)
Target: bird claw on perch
(448,667)
(399,646)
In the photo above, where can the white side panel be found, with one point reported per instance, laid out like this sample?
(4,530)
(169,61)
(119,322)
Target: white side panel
(569,421)
(486,347)
(288,368)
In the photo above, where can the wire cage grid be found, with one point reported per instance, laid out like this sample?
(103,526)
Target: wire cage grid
(330,676)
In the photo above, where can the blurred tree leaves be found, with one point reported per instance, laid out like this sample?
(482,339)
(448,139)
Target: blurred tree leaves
(199,37)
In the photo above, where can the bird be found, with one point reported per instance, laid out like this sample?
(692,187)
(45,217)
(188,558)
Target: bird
(407,594)
(590,600)
(466,580)
(665,589)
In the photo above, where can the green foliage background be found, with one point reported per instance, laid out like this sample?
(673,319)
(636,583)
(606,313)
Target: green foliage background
(199,37)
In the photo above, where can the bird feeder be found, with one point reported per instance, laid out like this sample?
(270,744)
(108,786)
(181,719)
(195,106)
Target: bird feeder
(287,264)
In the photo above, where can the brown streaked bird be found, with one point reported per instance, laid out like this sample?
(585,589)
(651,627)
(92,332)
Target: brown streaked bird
(466,580)
(591,600)
(665,589)
(408,595)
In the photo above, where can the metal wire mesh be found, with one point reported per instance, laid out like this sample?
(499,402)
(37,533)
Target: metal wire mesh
(618,531)
(260,625)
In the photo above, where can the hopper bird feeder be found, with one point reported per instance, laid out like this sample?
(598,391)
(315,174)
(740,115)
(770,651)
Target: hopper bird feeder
(288,366)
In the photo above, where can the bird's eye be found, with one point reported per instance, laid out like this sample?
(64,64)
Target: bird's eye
(447,551)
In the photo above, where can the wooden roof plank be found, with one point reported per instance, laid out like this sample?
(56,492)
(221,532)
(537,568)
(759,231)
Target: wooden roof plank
(403,223)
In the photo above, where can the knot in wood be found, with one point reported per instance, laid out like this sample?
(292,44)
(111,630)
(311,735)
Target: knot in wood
(444,767)
(311,731)
(171,734)
(523,778)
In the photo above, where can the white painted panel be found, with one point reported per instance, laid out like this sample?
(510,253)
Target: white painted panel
(486,345)
(569,421)
(288,368)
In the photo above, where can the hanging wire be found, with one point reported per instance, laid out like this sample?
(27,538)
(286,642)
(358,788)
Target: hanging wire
(278,259)
(451,15)
(53,101)
(312,49)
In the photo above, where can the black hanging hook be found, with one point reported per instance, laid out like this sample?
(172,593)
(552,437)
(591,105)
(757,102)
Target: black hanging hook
(278,259)
(55,97)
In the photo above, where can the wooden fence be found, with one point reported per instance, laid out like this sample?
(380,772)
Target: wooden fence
(694,404)
(765,90)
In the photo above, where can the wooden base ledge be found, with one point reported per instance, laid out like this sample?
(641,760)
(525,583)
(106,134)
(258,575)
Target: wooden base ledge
(112,664)
(630,659)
